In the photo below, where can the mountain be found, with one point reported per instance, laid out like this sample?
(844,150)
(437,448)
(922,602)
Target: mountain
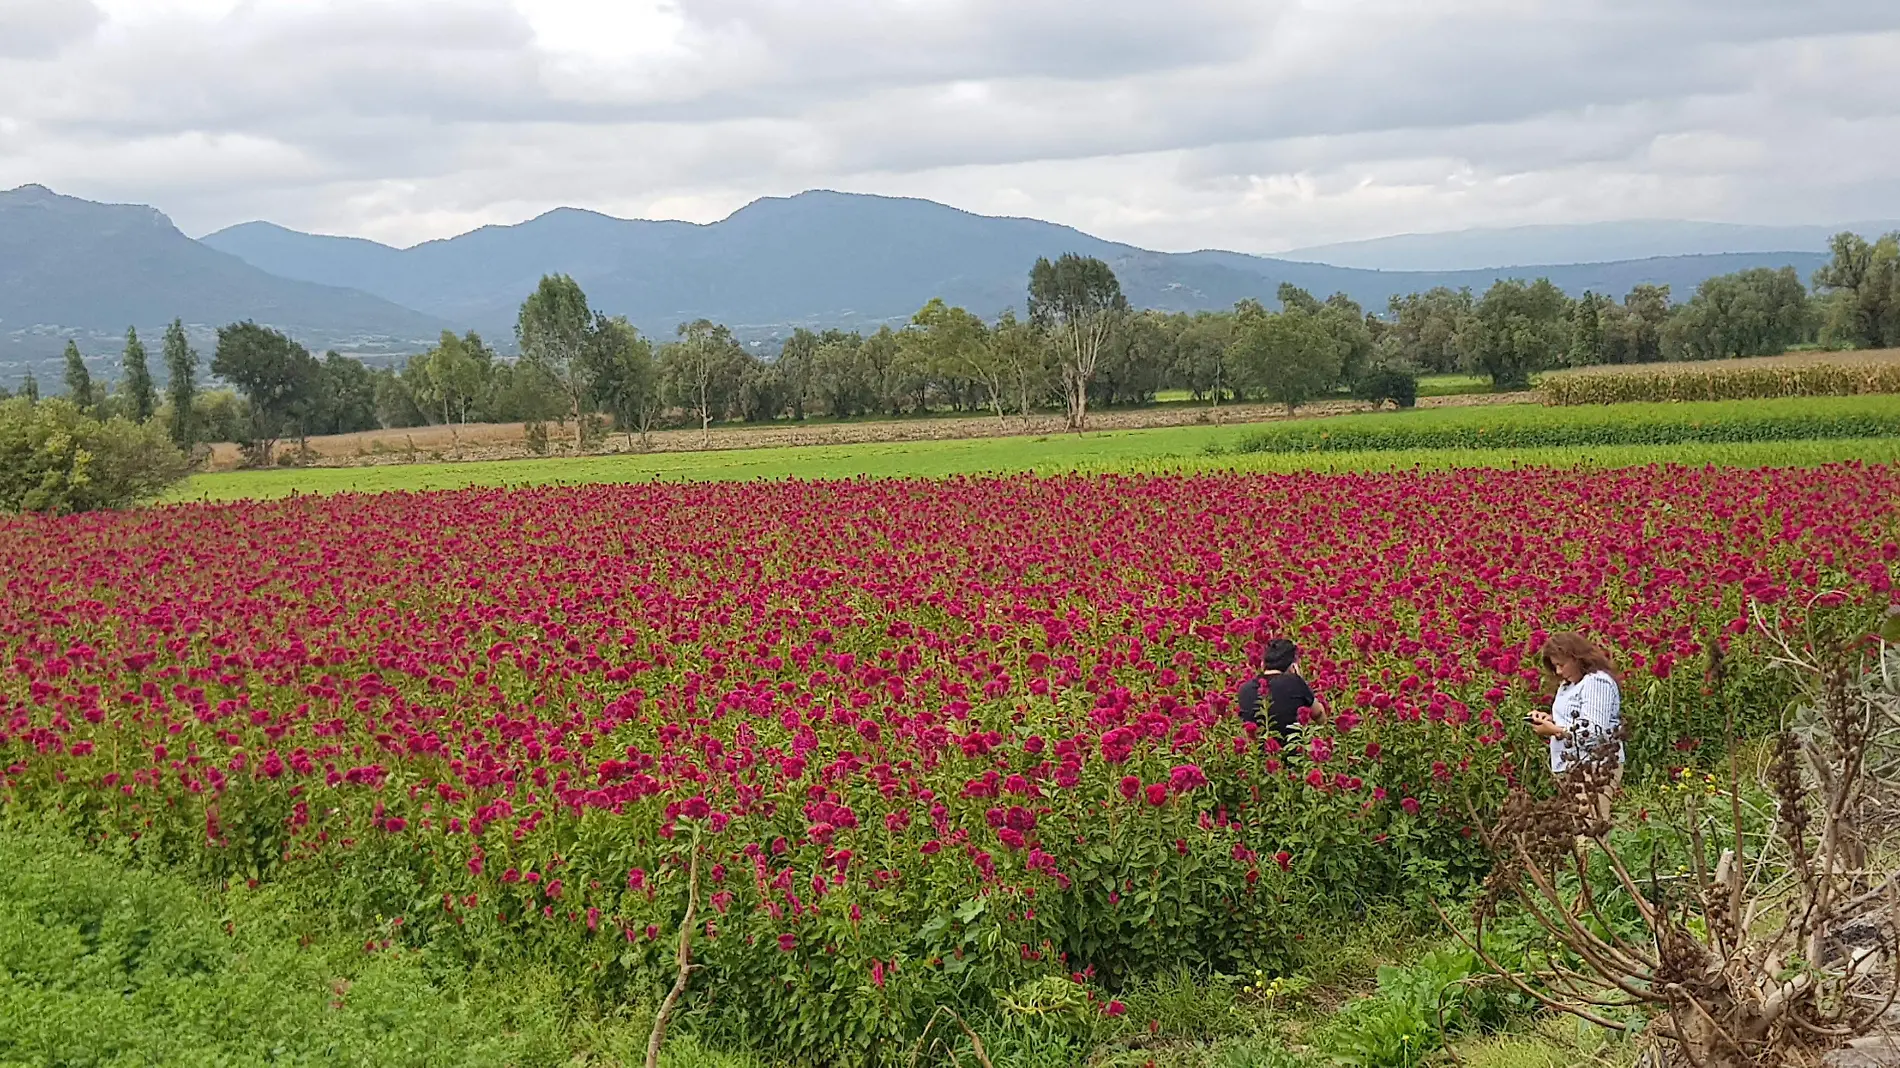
(72,268)
(1584,243)
(838,259)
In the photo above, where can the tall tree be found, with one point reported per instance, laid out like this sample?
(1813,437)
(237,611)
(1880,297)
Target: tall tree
(701,371)
(626,378)
(1201,356)
(181,386)
(345,400)
(1077,300)
(1291,356)
(1427,326)
(797,366)
(452,377)
(952,342)
(30,388)
(1023,350)
(138,378)
(277,376)
(1516,330)
(1864,281)
(1756,312)
(78,379)
(556,333)
(1586,331)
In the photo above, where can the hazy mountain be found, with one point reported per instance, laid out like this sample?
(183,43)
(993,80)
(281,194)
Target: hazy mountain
(72,268)
(836,259)
(1585,243)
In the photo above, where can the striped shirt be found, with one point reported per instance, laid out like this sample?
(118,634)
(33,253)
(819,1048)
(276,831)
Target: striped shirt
(1591,709)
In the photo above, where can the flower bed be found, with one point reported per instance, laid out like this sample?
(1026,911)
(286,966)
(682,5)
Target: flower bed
(933,740)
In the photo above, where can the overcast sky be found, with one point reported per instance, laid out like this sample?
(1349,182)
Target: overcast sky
(1255,125)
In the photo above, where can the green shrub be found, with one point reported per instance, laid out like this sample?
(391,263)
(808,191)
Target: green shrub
(55,458)
(1393,382)
(1690,382)
(1534,426)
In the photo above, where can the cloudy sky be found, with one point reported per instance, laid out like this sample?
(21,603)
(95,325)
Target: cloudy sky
(1255,125)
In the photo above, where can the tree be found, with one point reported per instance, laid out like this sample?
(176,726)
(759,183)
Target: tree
(1632,333)
(1864,279)
(951,341)
(1076,300)
(1516,330)
(797,365)
(138,378)
(278,378)
(345,398)
(701,371)
(1024,353)
(56,458)
(1201,356)
(452,376)
(1427,325)
(30,387)
(181,388)
(556,333)
(1290,356)
(1586,331)
(626,378)
(1345,321)
(78,379)
(1757,312)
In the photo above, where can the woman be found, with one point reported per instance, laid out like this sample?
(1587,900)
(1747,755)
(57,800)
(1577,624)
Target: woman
(1585,722)
(1286,692)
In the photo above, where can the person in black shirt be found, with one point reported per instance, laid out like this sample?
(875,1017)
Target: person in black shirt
(1286,693)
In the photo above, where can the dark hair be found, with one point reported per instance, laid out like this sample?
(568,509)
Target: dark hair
(1574,647)
(1279,655)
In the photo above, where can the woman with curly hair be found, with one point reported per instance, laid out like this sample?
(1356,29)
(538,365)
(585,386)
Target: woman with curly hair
(1584,726)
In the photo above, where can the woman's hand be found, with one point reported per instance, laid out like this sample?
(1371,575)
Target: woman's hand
(1544,726)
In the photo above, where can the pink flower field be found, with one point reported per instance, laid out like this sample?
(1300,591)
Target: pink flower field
(931,740)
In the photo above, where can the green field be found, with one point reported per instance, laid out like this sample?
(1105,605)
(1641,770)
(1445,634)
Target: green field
(1171,449)
(1536,426)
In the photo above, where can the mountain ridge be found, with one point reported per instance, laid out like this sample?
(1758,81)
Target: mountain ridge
(821,258)
(81,270)
(827,258)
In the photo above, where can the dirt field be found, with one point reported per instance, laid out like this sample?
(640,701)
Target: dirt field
(506,441)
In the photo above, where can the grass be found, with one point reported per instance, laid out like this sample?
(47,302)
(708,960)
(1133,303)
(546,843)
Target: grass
(1528,426)
(105,962)
(1146,451)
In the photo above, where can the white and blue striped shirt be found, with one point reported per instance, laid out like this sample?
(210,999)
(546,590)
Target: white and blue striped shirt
(1591,709)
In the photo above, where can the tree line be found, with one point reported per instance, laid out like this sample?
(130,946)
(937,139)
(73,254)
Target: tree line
(1078,347)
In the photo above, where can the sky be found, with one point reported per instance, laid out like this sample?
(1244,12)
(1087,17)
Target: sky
(1254,125)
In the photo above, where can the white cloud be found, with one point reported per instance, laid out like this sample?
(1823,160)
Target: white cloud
(1250,124)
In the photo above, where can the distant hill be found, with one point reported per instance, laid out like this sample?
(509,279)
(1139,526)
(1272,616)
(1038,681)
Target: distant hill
(1584,243)
(72,268)
(840,259)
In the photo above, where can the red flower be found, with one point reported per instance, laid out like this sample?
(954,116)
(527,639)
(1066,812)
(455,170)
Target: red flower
(1157,794)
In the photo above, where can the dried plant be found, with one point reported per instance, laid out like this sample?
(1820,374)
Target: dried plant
(1783,947)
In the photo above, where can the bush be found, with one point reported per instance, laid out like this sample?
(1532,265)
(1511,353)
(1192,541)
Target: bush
(55,458)
(1531,426)
(1705,383)
(1394,382)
